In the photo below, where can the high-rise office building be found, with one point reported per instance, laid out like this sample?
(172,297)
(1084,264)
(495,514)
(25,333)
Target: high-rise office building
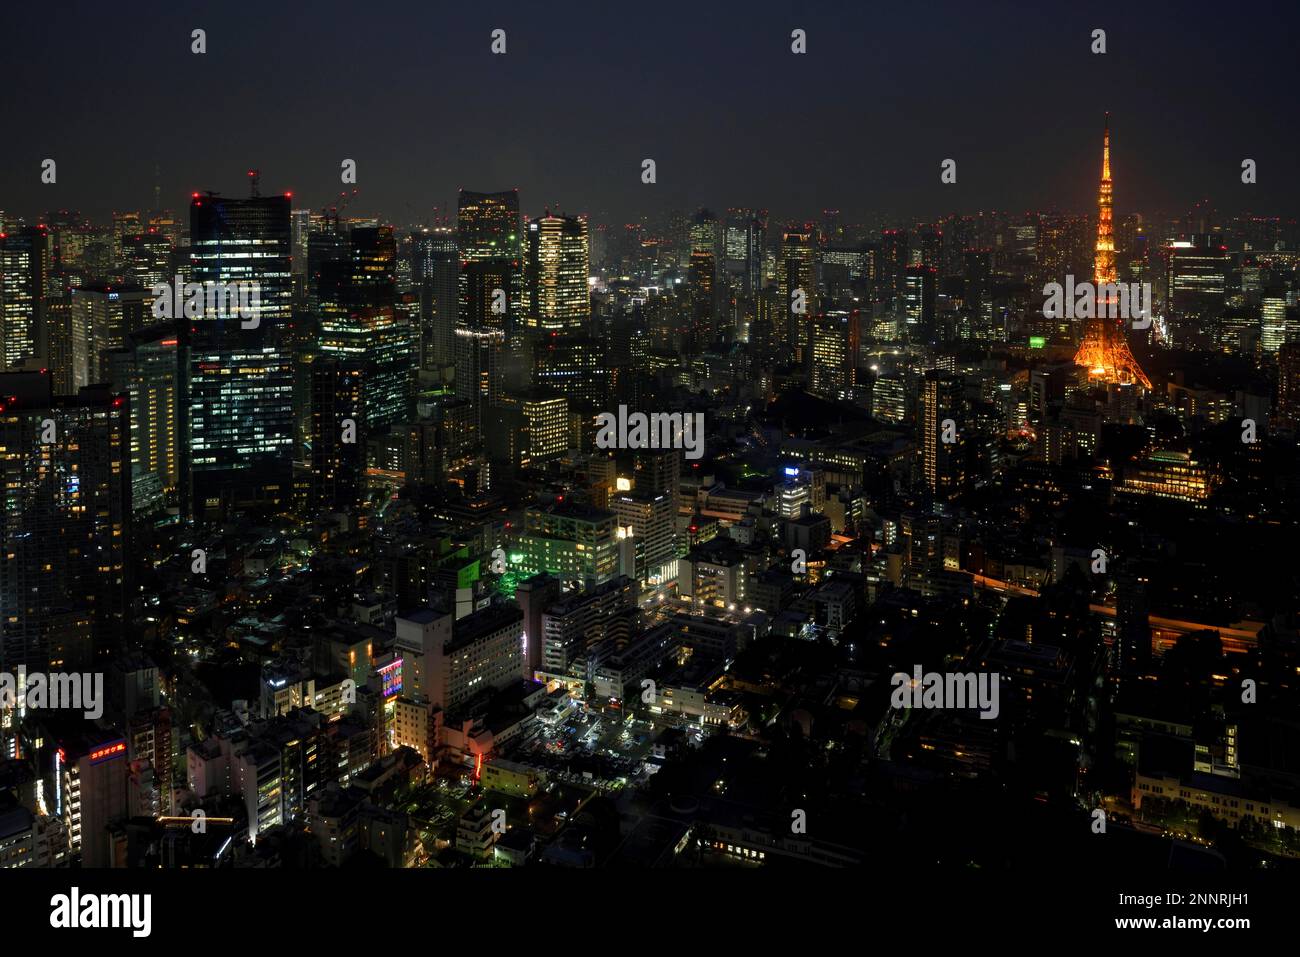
(338,432)
(893,261)
(743,242)
(24,263)
(558,264)
(489,233)
(1272,320)
(65,529)
(835,342)
(573,366)
(918,302)
(69,344)
(359,321)
(146,259)
(943,438)
(108,312)
(702,278)
(889,398)
(240,402)
(149,370)
(1288,387)
(435,271)
(480,367)
(796,283)
(1197,277)
(530,429)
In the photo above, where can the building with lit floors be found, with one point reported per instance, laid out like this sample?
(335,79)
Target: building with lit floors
(447,661)
(574,542)
(238,443)
(90,792)
(796,283)
(556,272)
(435,272)
(24,263)
(65,531)
(1288,388)
(647,524)
(443,441)
(480,367)
(919,286)
(834,354)
(943,438)
(532,596)
(338,434)
(490,244)
(1132,618)
(889,398)
(574,625)
(573,366)
(1196,278)
(359,322)
(529,429)
(1172,475)
(148,371)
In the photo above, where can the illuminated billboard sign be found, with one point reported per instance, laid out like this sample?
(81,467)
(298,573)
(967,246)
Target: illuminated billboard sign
(108,751)
(391,674)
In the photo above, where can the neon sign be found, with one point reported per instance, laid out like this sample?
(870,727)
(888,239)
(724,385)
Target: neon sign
(108,751)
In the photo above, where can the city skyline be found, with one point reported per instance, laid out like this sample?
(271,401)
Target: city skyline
(694,438)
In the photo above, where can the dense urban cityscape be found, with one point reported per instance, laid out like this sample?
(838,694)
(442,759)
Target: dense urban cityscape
(509,535)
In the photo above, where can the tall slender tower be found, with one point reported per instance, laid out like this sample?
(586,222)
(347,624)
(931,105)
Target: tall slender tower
(1104,351)
(1104,268)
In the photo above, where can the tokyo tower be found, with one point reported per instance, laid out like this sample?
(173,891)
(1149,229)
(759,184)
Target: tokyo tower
(1104,351)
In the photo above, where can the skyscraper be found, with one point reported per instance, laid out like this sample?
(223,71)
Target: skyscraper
(796,283)
(337,432)
(240,401)
(359,321)
(702,277)
(1288,387)
(435,273)
(835,341)
(918,302)
(490,241)
(108,312)
(558,264)
(942,435)
(148,371)
(23,265)
(65,527)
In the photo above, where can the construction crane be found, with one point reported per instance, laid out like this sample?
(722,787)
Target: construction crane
(332,212)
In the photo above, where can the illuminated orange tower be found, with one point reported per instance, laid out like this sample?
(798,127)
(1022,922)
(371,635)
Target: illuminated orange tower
(1104,351)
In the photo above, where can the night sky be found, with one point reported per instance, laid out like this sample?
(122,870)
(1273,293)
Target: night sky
(709,90)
